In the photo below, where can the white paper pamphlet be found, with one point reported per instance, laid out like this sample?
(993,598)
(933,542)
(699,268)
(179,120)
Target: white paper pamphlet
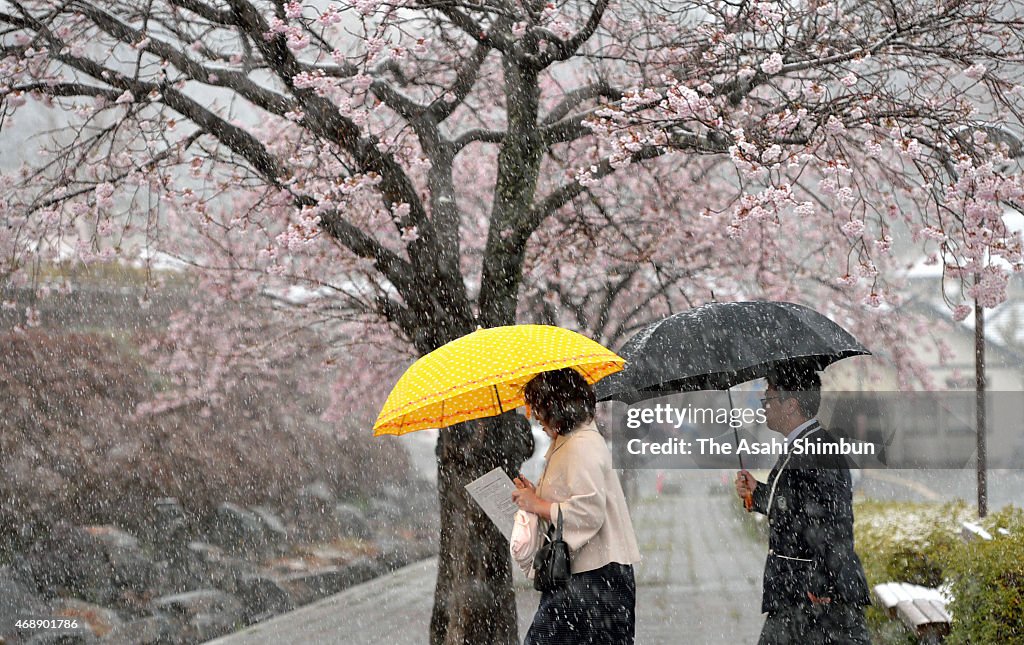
(493,492)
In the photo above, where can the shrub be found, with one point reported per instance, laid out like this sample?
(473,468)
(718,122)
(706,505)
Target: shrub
(906,541)
(987,583)
(921,544)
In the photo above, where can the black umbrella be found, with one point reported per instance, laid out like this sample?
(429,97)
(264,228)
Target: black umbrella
(722,344)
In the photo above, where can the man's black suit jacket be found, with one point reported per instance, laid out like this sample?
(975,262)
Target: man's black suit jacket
(810,529)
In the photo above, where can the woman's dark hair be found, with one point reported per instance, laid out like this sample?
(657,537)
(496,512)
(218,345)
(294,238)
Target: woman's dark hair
(562,398)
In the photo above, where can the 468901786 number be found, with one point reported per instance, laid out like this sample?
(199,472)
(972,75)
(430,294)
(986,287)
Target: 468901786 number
(47,623)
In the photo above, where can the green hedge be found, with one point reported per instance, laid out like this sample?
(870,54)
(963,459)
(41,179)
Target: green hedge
(907,542)
(987,582)
(921,544)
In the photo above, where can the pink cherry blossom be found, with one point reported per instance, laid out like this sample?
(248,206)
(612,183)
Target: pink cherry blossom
(975,71)
(853,228)
(873,300)
(960,312)
(772,64)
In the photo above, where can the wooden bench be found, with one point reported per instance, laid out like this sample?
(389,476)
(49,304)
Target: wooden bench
(921,609)
(970,532)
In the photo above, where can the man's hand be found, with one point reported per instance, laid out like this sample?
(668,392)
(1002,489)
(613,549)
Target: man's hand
(745,484)
(818,600)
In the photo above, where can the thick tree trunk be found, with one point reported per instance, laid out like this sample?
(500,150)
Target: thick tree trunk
(474,603)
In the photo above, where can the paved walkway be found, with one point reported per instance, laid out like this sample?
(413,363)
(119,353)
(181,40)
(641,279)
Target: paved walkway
(699,581)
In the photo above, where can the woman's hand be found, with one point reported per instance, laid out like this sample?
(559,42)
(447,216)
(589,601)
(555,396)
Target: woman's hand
(522,482)
(525,497)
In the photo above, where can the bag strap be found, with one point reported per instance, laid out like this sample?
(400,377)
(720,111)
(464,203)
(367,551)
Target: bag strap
(558,526)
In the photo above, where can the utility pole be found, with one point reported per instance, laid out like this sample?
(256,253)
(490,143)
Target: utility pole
(980,411)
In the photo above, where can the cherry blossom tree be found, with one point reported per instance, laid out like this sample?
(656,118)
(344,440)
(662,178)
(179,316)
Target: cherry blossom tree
(397,174)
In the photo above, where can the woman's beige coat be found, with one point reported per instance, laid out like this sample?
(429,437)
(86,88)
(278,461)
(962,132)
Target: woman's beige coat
(578,476)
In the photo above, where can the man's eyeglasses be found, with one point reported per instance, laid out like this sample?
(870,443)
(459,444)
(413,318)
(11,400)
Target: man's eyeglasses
(769,398)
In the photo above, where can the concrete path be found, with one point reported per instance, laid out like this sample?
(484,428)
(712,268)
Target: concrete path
(699,582)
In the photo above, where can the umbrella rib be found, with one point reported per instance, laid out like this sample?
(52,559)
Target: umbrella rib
(498,397)
(585,374)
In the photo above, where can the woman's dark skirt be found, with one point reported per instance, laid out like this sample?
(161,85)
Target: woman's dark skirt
(596,608)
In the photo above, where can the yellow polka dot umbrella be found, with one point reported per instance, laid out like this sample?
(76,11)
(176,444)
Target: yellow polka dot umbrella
(483,374)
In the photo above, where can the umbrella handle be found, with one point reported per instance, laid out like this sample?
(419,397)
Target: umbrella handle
(748,499)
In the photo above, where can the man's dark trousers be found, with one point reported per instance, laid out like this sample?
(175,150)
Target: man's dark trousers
(823,624)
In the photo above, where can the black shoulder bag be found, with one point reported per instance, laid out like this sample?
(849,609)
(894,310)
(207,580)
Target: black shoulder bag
(551,564)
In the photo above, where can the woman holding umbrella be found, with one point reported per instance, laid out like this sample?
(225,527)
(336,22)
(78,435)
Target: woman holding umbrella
(598,603)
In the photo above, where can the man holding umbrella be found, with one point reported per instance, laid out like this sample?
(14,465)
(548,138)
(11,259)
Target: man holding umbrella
(814,584)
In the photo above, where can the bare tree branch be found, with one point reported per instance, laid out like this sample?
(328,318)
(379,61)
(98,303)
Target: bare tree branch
(205,11)
(260,96)
(563,50)
(479,135)
(465,77)
(577,97)
(473,29)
